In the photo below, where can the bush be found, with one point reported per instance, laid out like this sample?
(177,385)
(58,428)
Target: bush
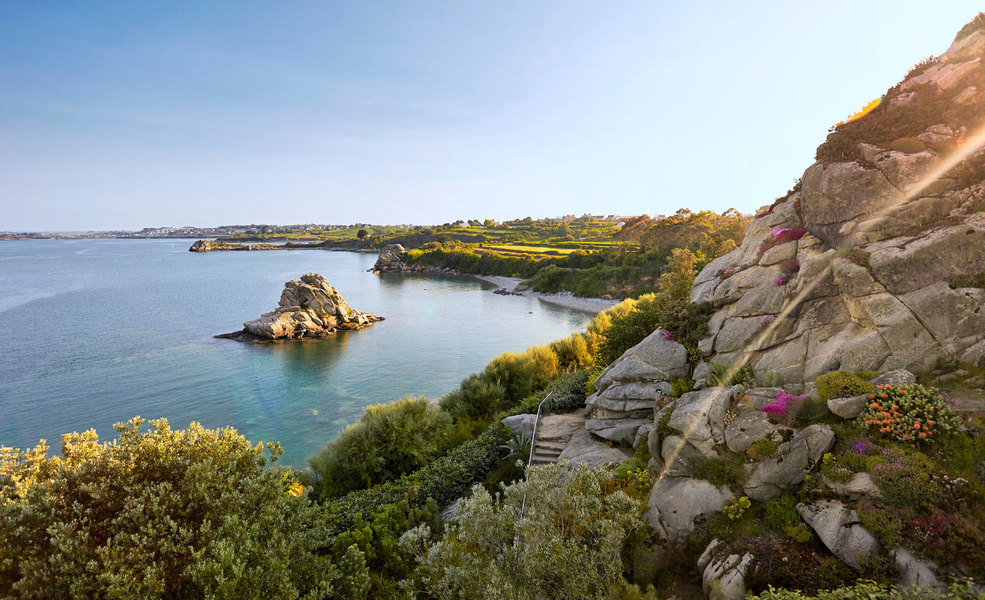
(908,145)
(910,414)
(572,537)
(158,514)
(576,351)
(623,326)
(568,394)
(841,384)
(444,480)
(389,440)
(728,375)
(476,398)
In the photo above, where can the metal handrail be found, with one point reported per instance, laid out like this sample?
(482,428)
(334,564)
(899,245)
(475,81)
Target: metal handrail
(530,461)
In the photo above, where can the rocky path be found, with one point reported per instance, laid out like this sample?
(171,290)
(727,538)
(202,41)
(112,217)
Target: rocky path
(553,435)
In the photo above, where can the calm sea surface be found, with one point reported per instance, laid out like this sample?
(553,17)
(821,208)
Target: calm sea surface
(99,331)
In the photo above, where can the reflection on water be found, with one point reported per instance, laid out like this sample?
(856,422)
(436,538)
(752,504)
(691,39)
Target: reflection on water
(97,331)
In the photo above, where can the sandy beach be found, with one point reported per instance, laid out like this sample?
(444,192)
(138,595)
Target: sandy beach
(566,299)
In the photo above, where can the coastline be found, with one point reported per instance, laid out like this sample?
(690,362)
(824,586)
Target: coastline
(565,299)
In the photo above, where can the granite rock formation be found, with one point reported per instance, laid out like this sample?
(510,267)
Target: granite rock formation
(309,308)
(876,262)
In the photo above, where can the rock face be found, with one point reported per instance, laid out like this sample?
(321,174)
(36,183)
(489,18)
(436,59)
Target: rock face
(795,460)
(309,308)
(870,264)
(630,388)
(389,259)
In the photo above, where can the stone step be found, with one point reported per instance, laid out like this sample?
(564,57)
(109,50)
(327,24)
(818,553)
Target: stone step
(550,445)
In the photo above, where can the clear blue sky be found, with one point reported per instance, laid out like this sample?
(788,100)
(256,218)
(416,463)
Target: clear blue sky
(123,115)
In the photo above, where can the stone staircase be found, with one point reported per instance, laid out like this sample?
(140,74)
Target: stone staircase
(553,434)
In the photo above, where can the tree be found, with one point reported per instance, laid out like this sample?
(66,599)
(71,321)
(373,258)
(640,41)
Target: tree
(361,234)
(158,514)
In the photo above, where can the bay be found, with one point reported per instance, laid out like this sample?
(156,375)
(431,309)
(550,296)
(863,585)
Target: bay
(98,331)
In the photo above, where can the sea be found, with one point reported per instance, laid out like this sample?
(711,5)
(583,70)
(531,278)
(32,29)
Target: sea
(96,332)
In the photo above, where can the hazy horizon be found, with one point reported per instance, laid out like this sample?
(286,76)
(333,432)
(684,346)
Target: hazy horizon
(120,117)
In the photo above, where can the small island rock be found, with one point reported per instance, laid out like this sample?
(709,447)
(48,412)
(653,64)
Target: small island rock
(309,308)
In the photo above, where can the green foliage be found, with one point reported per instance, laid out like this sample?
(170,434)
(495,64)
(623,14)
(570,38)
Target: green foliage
(576,351)
(681,386)
(735,507)
(713,470)
(389,440)
(724,375)
(377,539)
(972,26)
(476,398)
(907,145)
(568,393)
(908,413)
(567,545)
(812,410)
(764,448)
(623,326)
(841,384)
(444,480)
(156,514)
(869,590)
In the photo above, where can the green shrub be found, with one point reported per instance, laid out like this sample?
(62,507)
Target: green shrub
(908,145)
(521,374)
(444,480)
(681,386)
(728,375)
(623,326)
(841,384)
(765,448)
(389,440)
(713,470)
(575,352)
(567,394)
(476,398)
(572,540)
(910,414)
(156,514)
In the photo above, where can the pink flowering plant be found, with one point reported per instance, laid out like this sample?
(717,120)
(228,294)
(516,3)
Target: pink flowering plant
(784,408)
(780,236)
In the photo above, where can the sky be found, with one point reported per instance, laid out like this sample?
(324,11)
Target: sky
(125,115)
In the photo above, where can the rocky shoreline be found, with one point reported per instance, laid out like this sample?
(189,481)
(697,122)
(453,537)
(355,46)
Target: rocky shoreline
(390,262)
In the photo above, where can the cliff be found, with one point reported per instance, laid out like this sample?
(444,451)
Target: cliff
(876,261)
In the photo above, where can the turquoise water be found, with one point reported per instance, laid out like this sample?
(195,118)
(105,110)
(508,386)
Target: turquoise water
(98,331)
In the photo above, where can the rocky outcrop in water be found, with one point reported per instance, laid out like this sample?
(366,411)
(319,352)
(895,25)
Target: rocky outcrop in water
(309,308)
(876,262)
(220,246)
(389,259)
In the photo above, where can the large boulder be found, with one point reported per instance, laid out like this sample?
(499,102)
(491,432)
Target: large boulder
(676,502)
(725,577)
(700,417)
(308,308)
(795,460)
(840,530)
(584,448)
